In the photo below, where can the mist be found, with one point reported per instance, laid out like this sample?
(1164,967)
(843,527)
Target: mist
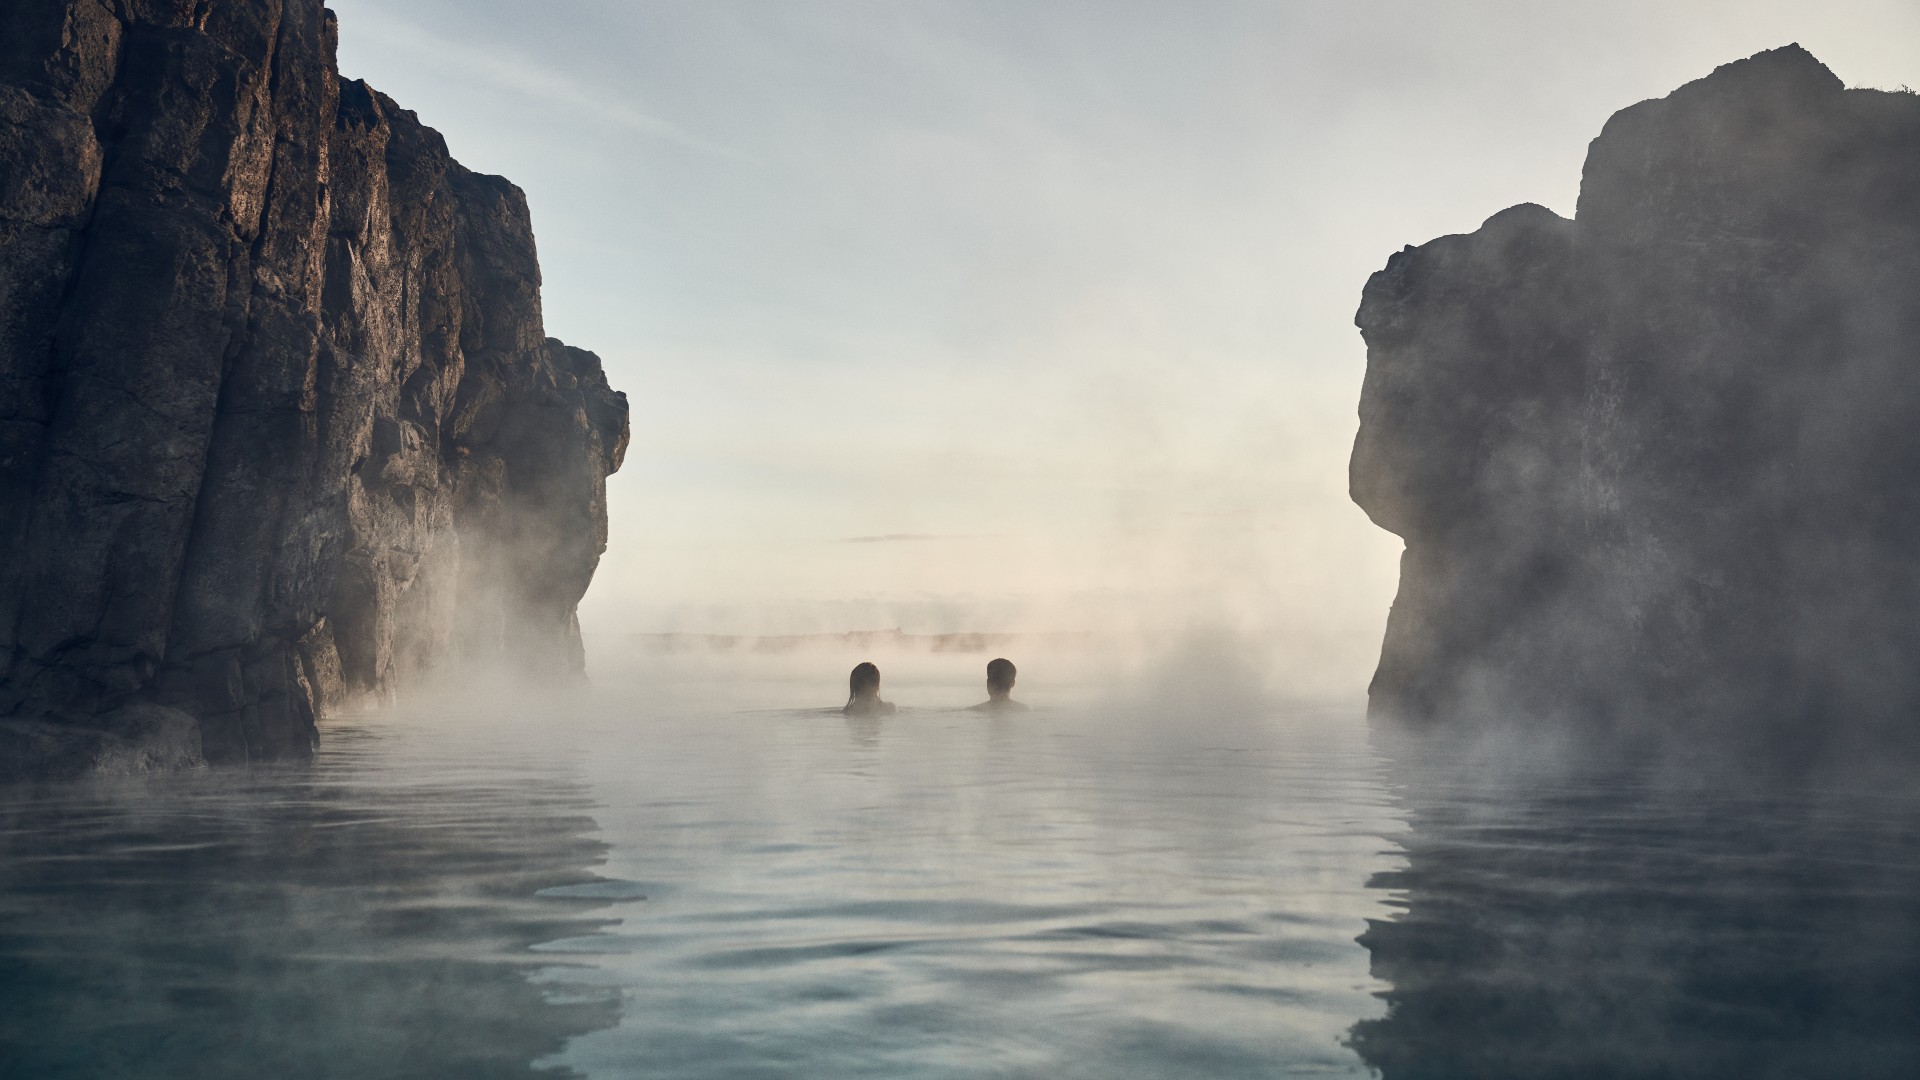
(920,334)
(1058,300)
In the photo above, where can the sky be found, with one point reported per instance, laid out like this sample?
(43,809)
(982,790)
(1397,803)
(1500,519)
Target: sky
(1021,316)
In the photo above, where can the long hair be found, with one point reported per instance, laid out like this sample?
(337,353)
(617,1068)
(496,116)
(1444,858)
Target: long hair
(865,677)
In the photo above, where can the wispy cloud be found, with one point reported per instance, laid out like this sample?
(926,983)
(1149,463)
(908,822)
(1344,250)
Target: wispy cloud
(507,71)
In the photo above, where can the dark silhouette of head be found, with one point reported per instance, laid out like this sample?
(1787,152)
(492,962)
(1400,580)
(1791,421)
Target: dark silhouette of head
(1000,674)
(863,683)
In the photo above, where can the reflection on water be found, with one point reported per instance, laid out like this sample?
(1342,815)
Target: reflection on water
(1621,925)
(941,894)
(675,884)
(367,917)
(773,893)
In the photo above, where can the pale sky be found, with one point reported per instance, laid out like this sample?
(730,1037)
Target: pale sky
(1006,315)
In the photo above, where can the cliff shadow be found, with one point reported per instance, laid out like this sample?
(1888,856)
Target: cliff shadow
(1618,921)
(311,922)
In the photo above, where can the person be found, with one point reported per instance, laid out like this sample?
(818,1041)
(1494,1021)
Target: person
(863,693)
(1000,675)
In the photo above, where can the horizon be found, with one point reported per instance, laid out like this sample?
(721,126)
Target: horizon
(963,319)
(1140,539)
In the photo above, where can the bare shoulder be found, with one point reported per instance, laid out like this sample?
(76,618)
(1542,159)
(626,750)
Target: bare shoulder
(997,707)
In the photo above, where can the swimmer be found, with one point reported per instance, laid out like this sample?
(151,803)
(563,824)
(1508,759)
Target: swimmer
(1000,675)
(863,693)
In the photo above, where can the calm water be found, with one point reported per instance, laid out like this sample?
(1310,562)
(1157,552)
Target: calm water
(705,885)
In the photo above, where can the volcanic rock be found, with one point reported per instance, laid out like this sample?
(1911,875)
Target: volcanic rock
(1658,467)
(279,425)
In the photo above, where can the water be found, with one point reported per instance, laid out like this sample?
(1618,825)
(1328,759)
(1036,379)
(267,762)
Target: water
(698,880)
(1616,923)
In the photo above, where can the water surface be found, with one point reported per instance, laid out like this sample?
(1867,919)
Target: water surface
(702,882)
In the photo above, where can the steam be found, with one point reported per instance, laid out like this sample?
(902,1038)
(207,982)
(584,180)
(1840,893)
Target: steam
(1081,328)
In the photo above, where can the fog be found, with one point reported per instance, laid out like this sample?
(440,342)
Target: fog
(954,331)
(983,317)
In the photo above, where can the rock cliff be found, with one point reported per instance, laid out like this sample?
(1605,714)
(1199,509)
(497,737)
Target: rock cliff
(279,424)
(1658,467)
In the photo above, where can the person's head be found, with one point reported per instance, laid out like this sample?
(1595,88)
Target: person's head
(864,682)
(1000,675)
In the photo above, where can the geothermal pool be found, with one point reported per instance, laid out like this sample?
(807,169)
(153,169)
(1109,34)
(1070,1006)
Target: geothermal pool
(704,874)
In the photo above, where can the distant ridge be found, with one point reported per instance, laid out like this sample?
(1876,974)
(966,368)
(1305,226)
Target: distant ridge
(894,638)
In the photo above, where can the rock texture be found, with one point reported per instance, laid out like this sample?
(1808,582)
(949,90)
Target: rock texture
(278,421)
(1658,467)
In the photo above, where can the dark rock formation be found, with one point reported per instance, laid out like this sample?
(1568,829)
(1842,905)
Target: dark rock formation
(1658,467)
(278,421)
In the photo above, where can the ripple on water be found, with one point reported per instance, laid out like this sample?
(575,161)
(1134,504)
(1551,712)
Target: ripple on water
(474,893)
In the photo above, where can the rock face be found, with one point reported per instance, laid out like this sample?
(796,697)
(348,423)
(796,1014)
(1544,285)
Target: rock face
(1658,467)
(279,424)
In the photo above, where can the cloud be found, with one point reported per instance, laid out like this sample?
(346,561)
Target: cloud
(506,71)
